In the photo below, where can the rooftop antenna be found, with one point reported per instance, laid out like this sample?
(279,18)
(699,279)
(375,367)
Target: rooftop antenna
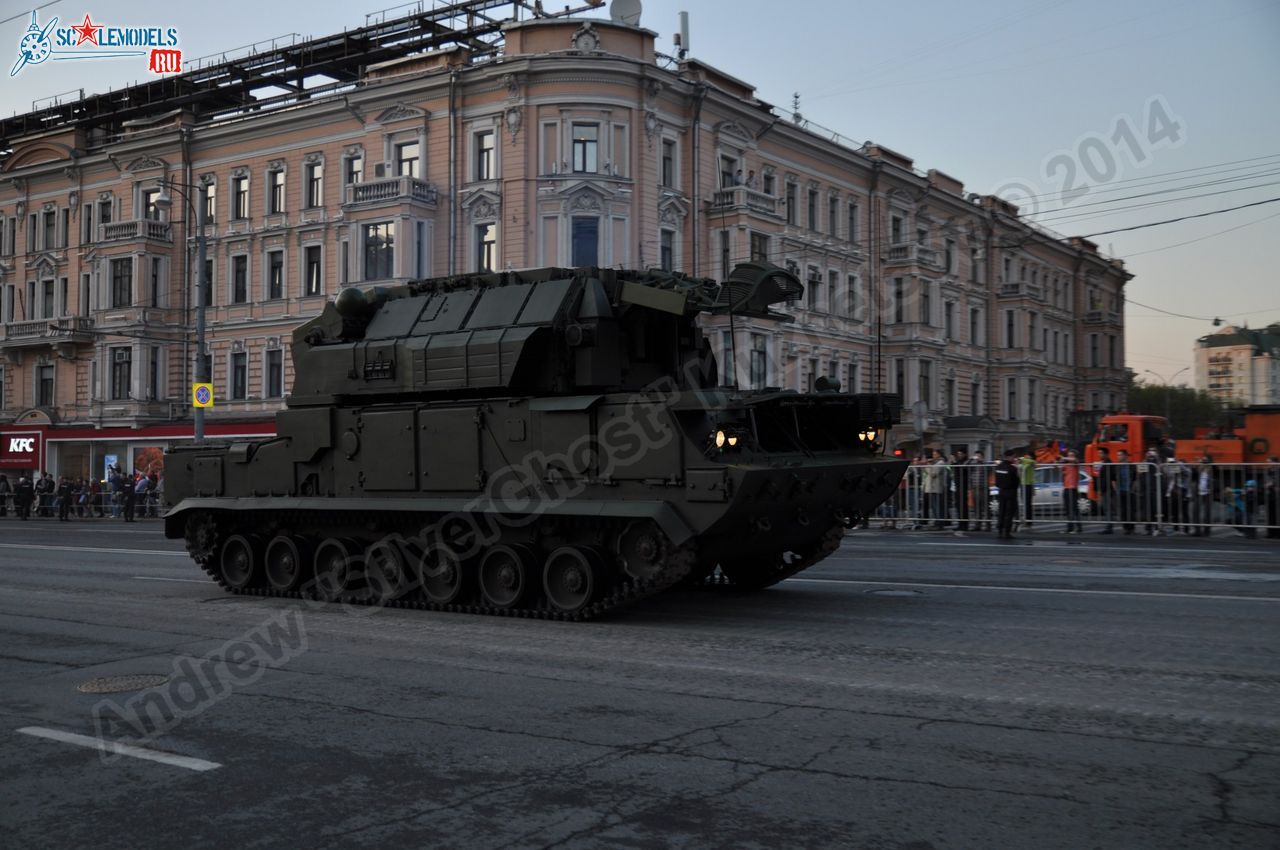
(795,109)
(682,37)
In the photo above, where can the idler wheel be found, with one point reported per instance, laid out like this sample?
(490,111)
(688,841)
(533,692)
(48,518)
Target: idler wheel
(440,573)
(386,572)
(333,564)
(283,563)
(569,579)
(238,561)
(504,575)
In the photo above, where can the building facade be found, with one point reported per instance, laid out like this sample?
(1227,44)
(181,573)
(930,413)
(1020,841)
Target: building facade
(1239,366)
(552,141)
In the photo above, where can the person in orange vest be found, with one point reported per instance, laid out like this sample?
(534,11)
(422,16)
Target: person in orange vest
(1071,492)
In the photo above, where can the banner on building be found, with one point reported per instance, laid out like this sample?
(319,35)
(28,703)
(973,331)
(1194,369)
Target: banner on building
(20,449)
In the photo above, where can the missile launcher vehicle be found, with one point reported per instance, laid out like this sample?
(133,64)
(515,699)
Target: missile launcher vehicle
(546,443)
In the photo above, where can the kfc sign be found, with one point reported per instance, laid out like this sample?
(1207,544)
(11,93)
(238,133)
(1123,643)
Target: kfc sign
(20,450)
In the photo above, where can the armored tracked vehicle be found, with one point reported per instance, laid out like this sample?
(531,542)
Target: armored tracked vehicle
(548,443)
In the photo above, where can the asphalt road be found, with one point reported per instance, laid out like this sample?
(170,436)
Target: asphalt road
(913,691)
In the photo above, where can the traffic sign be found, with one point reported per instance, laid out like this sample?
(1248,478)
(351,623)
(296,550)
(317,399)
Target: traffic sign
(202,395)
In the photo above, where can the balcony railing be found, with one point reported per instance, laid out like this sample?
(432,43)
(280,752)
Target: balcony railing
(392,189)
(48,329)
(740,197)
(913,252)
(1098,317)
(119,231)
(1010,290)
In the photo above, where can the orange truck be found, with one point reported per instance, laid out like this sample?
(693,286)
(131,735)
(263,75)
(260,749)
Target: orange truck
(1252,435)
(1133,432)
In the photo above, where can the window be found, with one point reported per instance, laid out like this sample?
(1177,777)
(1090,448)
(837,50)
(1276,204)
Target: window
(586,144)
(900,377)
(759,362)
(239,375)
(486,247)
(344,261)
(239,197)
(210,202)
(833,217)
(153,373)
(975,399)
(47,306)
(1031,398)
(122,282)
(353,172)
(311,270)
(121,372)
(239,279)
(759,248)
(853,306)
(724,254)
(484,155)
(899,300)
(66,298)
(949,394)
(926,383)
(275,192)
(275,373)
(728,172)
(853,223)
(407,160)
(50,229)
(922,236)
(668,164)
(813,284)
(975,325)
(585,241)
(1094,354)
(926,303)
(1031,329)
(895,229)
(150,209)
(833,281)
(813,209)
(769,181)
(156,284)
(852,386)
(813,373)
(275,274)
(949,257)
(1007,276)
(666,250)
(1011,399)
(949,320)
(1010,330)
(315,184)
(379,251)
(728,372)
(973,265)
(104,212)
(791,203)
(44,386)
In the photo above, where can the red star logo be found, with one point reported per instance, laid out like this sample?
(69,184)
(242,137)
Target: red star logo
(88,31)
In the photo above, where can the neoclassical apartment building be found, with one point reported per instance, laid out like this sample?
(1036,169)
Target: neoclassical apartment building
(555,140)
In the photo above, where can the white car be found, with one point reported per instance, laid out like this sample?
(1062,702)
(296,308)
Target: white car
(1048,499)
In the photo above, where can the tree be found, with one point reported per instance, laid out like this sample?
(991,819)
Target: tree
(1185,407)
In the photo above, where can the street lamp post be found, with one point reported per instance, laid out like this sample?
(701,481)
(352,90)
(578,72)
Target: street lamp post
(202,284)
(1168,386)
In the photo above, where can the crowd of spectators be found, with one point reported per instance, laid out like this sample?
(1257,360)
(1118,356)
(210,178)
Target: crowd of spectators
(118,496)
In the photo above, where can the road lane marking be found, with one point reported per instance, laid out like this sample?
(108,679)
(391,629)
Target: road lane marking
(120,749)
(162,578)
(48,546)
(1040,589)
(1082,545)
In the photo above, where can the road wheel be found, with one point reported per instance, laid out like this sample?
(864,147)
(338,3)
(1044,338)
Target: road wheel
(238,561)
(504,575)
(333,564)
(283,563)
(569,578)
(386,571)
(440,574)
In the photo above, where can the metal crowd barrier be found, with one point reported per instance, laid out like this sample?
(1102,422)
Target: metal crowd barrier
(1169,497)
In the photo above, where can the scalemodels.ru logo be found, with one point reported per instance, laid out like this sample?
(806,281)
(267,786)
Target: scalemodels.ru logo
(89,40)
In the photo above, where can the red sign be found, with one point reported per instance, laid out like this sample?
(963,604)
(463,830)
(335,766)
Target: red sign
(20,449)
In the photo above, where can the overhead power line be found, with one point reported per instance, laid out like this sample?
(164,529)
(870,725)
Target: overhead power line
(1179,218)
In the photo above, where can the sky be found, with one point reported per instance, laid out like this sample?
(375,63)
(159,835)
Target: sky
(1142,110)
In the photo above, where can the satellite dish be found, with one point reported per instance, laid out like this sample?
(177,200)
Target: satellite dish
(625,12)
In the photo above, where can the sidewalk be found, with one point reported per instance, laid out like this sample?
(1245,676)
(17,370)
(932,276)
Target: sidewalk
(1056,531)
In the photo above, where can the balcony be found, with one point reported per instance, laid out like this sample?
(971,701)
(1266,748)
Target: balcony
(40,332)
(1102,317)
(742,198)
(124,231)
(908,253)
(392,189)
